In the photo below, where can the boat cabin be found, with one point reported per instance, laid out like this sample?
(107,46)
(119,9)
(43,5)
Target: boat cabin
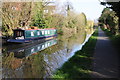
(19,34)
(34,33)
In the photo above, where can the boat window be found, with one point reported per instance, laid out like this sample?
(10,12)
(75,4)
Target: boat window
(32,33)
(43,46)
(38,47)
(54,30)
(42,32)
(19,33)
(48,32)
(38,33)
(45,32)
(46,45)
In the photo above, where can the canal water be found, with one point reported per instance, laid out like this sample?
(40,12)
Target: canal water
(41,60)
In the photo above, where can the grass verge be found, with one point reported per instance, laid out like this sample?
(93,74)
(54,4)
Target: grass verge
(79,66)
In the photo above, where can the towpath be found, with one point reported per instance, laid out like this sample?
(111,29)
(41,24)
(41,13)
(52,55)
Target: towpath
(105,59)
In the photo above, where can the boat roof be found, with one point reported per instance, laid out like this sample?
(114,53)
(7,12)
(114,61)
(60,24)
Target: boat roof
(41,29)
(37,29)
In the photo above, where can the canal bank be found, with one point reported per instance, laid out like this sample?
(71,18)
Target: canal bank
(79,66)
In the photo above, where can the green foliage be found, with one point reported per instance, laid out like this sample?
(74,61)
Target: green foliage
(115,6)
(54,20)
(37,17)
(70,20)
(83,19)
(110,20)
(60,31)
(14,15)
(76,20)
(116,42)
(90,24)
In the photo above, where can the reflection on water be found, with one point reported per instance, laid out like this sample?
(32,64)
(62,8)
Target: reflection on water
(27,51)
(42,60)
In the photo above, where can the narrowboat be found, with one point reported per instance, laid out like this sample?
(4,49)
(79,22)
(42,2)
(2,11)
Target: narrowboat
(28,35)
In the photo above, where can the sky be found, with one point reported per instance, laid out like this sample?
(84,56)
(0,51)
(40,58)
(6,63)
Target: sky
(91,8)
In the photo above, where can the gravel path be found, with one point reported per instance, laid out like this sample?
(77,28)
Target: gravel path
(106,61)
